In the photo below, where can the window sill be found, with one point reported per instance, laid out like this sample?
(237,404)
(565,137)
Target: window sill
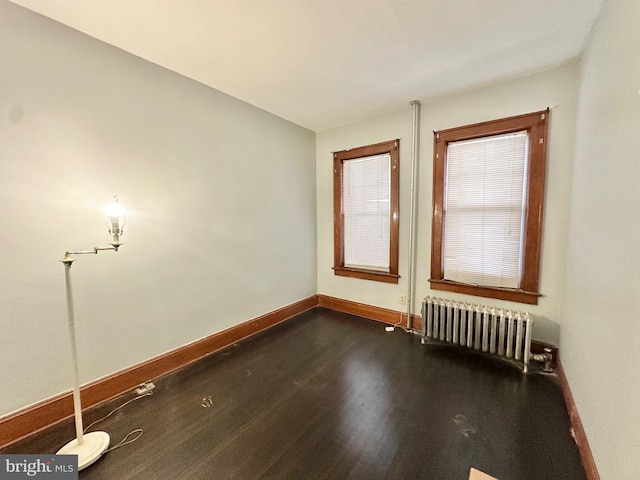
(366,274)
(509,294)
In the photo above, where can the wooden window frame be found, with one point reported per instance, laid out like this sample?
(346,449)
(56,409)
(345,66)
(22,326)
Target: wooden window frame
(391,147)
(536,125)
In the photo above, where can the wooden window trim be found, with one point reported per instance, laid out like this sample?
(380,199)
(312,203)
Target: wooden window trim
(392,147)
(536,124)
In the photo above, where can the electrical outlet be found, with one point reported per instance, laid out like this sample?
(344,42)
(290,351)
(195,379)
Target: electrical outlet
(403,299)
(145,388)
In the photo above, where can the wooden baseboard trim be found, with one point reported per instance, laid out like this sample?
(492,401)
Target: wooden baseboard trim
(27,421)
(384,315)
(576,424)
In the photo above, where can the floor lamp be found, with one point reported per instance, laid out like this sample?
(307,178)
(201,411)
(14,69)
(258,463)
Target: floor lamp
(88,447)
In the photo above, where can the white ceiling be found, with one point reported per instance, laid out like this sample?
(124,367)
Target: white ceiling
(326,63)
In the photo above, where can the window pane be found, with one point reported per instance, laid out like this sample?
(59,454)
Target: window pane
(484,210)
(366,201)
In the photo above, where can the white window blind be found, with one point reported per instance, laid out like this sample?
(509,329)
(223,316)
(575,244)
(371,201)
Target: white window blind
(366,191)
(484,210)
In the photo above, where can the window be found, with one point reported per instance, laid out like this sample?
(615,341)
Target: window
(365,212)
(488,194)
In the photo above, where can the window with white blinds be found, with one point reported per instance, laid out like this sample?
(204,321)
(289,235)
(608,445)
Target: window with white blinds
(366,185)
(488,202)
(484,210)
(366,200)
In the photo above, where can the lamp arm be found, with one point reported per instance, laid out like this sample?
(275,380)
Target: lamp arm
(67,255)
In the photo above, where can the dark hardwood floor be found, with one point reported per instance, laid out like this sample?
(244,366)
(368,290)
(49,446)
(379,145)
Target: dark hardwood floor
(328,395)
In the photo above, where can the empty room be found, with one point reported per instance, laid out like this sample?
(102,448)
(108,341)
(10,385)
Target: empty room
(320,240)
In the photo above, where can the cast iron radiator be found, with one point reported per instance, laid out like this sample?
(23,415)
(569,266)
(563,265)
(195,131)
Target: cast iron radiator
(503,333)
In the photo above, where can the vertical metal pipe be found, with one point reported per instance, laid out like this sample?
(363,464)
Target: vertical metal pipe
(77,407)
(415,144)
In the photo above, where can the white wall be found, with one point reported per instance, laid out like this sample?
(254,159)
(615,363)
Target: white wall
(600,338)
(555,89)
(221,197)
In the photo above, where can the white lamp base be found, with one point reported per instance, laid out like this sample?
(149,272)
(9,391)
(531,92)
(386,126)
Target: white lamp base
(93,446)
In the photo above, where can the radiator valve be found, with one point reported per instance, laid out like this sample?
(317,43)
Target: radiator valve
(545,358)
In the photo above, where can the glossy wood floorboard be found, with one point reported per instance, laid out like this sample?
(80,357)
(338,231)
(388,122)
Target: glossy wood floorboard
(328,395)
